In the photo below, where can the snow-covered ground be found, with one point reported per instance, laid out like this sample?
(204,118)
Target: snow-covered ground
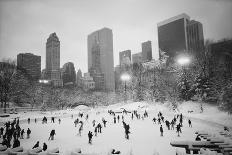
(145,136)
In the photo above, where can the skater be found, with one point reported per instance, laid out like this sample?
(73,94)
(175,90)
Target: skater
(198,138)
(104,122)
(28,120)
(127,130)
(161,131)
(80,128)
(178,129)
(28,133)
(114,120)
(36,145)
(99,126)
(159,121)
(22,134)
(118,118)
(53,120)
(59,120)
(90,136)
(95,131)
(35,120)
(16,143)
(52,133)
(93,122)
(45,146)
(190,123)
(154,120)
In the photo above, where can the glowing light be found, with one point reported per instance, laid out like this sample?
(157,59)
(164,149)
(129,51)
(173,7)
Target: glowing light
(125,77)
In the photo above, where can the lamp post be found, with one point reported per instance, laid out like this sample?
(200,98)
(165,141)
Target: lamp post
(125,77)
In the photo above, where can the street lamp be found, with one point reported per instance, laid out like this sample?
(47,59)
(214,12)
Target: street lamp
(125,77)
(183,61)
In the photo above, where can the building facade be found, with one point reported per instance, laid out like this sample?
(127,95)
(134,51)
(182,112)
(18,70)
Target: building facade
(195,38)
(79,77)
(31,64)
(124,57)
(53,71)
(69,73)
(179,35)
(146,51)
(87,82)
(100,54)
(137,58)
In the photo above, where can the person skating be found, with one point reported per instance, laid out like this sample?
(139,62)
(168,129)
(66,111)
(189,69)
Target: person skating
(52,133)
(22,134)
(28,120)
(59,120)
(28,133)
(45,146)
(95,131)
(1,132)
(190,123)
(118,118)
(104,122)
(36,145)
(16,143)
(161,130)
(90,136)
(114,120)
(178,129)
(154,120)
(99,126)
(198,138)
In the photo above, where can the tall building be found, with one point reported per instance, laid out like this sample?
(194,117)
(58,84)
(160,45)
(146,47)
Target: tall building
(79,76)
(100,55)
(53,71)
(124,57)
(179,35)
(137,57)
(195,38)
(146,51)
(31,64)
(69,73)
(87,82)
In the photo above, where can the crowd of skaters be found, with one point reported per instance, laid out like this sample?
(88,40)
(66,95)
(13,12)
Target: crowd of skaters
(13,129)
(11,133)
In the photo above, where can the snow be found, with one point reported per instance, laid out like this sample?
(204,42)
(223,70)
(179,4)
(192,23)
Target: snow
(144,139)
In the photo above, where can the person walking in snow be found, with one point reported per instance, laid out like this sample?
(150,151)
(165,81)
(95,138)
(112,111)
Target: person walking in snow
(190,123)
(90,136)
(45,146)
(36,145)
(161,131)
(28,133)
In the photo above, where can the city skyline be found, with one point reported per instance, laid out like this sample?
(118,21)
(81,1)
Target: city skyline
(25,29)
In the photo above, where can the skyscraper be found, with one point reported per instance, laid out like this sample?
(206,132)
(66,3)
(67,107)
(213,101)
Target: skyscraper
(195,37)
(124,57)
(179,35)
(69,73)
(137,57)
(146,51)
(53,72)
(31,64)
(100,55)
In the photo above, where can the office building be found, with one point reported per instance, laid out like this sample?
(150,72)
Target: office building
(146,51)
(79,76)
(69,73)
(179,35)
(125,57)
(87,82)
(100,56)
(195,38)
(137,58)
(30,64)
(53,71)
